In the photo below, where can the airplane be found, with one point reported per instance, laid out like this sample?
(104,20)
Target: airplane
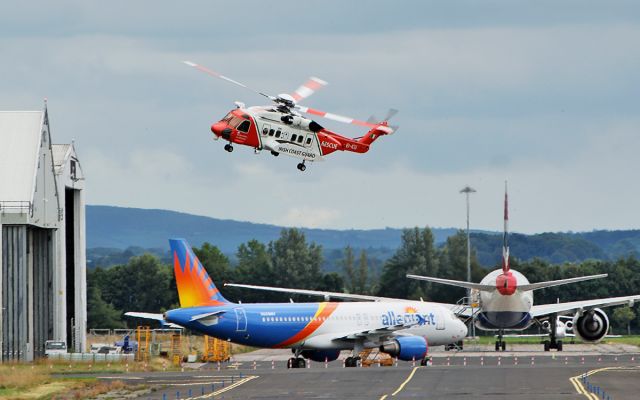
(281,129)
(505,300)
(315,331)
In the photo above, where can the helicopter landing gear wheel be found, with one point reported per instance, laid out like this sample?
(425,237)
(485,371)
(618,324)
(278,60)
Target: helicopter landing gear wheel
(228,147)
(275,153)
(302,167)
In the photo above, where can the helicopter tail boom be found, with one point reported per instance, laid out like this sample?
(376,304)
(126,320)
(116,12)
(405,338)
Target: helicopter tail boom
(375,133)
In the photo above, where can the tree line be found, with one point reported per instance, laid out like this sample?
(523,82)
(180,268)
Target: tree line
(145,283)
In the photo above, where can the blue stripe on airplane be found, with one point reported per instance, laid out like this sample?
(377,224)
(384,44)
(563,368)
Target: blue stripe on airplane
(281,321)
(504,319)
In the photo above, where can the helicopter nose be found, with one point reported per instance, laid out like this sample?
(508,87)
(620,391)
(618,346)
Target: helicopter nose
(217,128)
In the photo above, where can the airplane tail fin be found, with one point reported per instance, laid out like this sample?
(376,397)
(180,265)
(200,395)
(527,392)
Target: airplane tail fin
(505,235)
(195,287)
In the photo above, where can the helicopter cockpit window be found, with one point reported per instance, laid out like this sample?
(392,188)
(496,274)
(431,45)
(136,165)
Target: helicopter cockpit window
(244,126)
(308,141)
(227,117)
(235,121)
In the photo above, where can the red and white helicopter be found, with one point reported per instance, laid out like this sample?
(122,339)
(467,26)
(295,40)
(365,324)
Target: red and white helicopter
(282,129)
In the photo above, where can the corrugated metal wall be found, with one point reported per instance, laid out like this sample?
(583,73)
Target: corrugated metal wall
(14,292)
(42,258)
(27,295)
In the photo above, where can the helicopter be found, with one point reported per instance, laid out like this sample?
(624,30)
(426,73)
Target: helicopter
(281,127)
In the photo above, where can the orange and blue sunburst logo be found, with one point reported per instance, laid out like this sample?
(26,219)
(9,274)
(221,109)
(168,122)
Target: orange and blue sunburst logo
(410,310)
(195,287)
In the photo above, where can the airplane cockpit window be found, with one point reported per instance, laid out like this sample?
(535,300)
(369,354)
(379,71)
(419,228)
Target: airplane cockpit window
(244,126)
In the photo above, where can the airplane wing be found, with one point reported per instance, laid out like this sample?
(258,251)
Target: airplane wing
(451,282)
(155,317)
(565,308)
(326,295)
(372,334)
(542,285)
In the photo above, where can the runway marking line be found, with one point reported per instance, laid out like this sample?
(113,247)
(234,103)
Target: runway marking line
(402,385)
(577,380)
(225,389)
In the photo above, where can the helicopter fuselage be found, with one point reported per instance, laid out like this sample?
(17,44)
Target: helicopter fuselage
(282,133)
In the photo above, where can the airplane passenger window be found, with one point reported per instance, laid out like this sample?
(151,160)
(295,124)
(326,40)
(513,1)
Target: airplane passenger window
(244,126)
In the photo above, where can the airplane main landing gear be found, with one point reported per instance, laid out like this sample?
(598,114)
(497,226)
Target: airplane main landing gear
(552,343)
(296,362)
(301,166)
(351,362)
(228,147)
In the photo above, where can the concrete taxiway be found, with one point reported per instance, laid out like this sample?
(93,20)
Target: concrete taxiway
(517,374)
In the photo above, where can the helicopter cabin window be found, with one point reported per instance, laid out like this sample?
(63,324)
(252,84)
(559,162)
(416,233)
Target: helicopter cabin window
(308,141)
(265,130)
(278,133)
(271,132)
(300,139)
(293,137)
(244,126)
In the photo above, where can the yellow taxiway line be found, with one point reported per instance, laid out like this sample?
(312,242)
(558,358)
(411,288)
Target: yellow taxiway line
(576,381)
(402,385)
(225,389)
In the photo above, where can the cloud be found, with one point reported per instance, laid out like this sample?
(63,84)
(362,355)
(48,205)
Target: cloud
(543,95)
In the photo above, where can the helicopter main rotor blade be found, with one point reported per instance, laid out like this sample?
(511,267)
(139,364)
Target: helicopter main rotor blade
(335,117)
(226,78)
(308,88)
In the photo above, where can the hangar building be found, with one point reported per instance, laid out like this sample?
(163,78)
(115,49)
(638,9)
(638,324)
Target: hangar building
(42,221)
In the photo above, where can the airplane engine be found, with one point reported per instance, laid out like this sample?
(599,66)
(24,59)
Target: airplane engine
(591,326)
(320,355)
(406,348)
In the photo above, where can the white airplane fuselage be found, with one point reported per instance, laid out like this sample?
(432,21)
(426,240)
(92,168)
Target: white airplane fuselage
(500,311)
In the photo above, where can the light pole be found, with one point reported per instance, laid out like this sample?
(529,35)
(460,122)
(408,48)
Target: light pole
(467,190)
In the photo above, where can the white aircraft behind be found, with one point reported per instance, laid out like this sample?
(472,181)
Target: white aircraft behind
(505,298)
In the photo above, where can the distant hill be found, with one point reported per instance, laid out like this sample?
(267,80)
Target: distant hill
(114,234)
(120,228)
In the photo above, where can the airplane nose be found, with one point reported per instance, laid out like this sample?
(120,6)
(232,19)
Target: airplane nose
(463,329)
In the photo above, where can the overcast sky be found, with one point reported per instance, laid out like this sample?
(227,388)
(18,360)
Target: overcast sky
(544,94)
